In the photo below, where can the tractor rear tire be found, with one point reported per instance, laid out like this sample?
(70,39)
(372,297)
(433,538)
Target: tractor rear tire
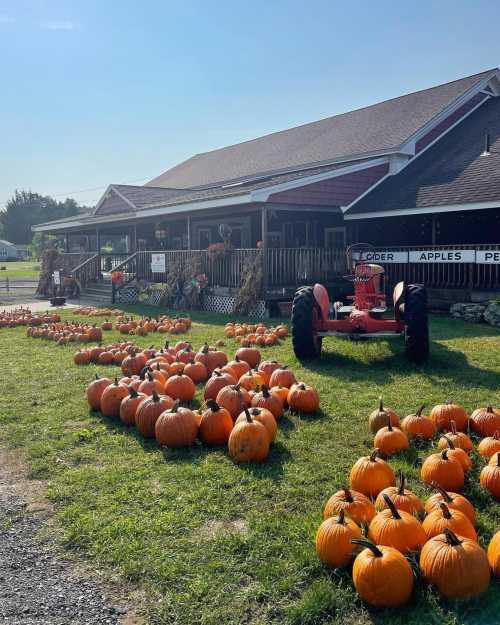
(416,324)
(306,343)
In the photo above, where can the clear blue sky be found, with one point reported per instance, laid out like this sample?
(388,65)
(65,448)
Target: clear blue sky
(101,91)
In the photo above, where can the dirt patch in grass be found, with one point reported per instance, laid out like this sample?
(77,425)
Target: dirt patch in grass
(214,528)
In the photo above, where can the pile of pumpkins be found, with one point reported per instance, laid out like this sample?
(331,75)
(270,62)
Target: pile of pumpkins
(92,311)
(244,398)
(247,334)
(398,524)
(24,317)
(146,325)
(64,332)
(112,354)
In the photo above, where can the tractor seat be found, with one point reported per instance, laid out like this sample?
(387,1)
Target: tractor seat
(370,269)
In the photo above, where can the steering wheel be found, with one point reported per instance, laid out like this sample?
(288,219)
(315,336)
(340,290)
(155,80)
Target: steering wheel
(355,252)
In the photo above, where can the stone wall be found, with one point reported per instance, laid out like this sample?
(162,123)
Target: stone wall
(477,313)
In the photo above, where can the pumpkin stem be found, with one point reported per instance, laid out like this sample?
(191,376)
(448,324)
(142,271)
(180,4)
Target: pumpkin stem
(453,427)
(150,377)
(498,459)
(216,372)
(445,510)
(442,492)
(255,411)
(391,506)
(155,396)
(247,415)
(302,386)
(347,495)
(213,405)
(265,391)
(444,454)
(341,517)
(166,344)
(374,454)
(451,537)
(496,435)
(97,377)
(449,441)
(380,404)
(420,410)
(132,392)
(364,542)
(116,381)
(180,372)
(401,490)
(389,422)
(489,410)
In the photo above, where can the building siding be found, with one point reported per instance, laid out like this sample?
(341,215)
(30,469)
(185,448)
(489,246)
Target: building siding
(113,204)
(339,191)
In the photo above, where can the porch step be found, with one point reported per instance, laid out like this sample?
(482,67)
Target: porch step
(98,293)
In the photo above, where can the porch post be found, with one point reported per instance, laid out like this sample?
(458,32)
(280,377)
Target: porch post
(188,222)
(264,248)
(66,242)
(98,241)
(434,228)
(134,239)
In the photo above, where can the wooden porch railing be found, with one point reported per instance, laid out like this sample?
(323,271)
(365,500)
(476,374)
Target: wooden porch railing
(109,262)
(88,271)
(296,266)
(444,275)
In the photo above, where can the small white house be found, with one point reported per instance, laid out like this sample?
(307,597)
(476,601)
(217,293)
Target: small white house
(8,251)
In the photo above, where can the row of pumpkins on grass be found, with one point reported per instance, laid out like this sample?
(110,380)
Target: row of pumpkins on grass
(24,317)
(93,311)
(397,521)
(64,332)
(244,398)
(146,325)
(247,334)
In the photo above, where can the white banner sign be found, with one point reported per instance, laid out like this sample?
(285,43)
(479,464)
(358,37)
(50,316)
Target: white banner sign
(384,258)
(442,256)
(158,263)
(57,277)
(488,257)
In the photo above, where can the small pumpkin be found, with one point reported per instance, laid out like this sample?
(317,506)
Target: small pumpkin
(251,380)
(216,382)
(403,498)
(282,377)
(418,426)
(442,516)
(263,416)
(382,576)
(233,398)
(150,384)
(334,544)
(370,474)
(176,427)
(239,367)
(454,501)
(485,421)
(148,412)
(249,441)
(396,528)
(489,445)
(457,567)
(196,371)
(128,406)
(303,398)
(250,355)
(267,368)
(378,418)
(180,387)
(459,439)
(133,364)
(281,392)
(264,399)
(390,440)
(112,398)
(356,505)
(216,424)
(494,554)
(490,475)
(95,390)
(443,414)
(82,357)
(447,472)
(457,453)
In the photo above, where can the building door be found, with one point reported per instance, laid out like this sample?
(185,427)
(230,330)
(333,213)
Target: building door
(335,237)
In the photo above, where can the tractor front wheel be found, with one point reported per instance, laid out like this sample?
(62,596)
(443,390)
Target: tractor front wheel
(305,310)
(416,325)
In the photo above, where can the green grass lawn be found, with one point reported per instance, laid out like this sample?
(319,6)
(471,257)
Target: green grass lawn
(214,543)
(17,269)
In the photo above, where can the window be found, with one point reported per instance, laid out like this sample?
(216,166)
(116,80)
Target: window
(204,238)
(335,237)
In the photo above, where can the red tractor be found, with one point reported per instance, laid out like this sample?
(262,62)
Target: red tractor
(364,317)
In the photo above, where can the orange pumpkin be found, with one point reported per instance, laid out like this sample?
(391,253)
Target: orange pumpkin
(441,517)
(176,427)
(443,414)
(112,398)
(249,441)
(379,418)
(250,355)
(370,475)
(239,367)
(390,440)
(95,390)
(196,371)
(216,424)
(396,528)
(356,505)
(458,454)
(261,415)
(403,498)
(233,398)
(459,439)
(128,406)
(485,421)
(334,537)
(489,445)
(494,554)
(303,398)
(490,475)
(440,469)
(180,387)
(251,380)
(418,426)
(148,412)
(454,501)
(282,377)
(216,382)
(267,367)
(264,399)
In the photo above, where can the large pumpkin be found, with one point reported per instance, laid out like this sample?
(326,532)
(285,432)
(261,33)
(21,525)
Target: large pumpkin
(267,367)
(381,575)
(440,469)
(216,382)
(216,424)
(129,405)
(390,440)
(263,416)
(176,427)
(265,399)
(396,528)
(489,445)
(485,421)
(250,355)
(454,501)
(441,517)
(334,544)
(490,475)
(459,439)
(403,498)
(95,390)
(379,418)
(303,398)
(148,412)
(180,387)
(196,371)
(370,474)
(249,441)
(443,414)
(112,398)
(418,426)
(133,364)
(494,554)
(282,377)
(238,366)
(356,505)
(457,566)
(233,398)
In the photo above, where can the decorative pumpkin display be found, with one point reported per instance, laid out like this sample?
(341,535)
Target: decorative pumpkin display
(418,426)
(180,387)
(454,501)
(95,390)
(250,355)
(459,439)
(494,554)
(440,469)
(356,505)
(458,454)
(379,418)
(148,412)
(233,398)
(489,445)
(216,382)
(396,528)
(334,544)
(443,414)
(264,399)
(216,424)
(262,415)
(303,398)
(490,475)
(390,440)
(251,380)
(402,498)
(249,441)
(457,566)
(267,368)
(485,421)
(282,377)
(442,516)
(176,427)
(382,576)
(111,399)
(370,474)
(128,406)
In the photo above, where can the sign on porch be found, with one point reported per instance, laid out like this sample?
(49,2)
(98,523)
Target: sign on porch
(383,257)
(387,257)
(442,256)
(158,263)
(488,257)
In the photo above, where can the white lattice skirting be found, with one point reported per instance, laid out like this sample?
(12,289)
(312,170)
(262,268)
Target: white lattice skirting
(225,304)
